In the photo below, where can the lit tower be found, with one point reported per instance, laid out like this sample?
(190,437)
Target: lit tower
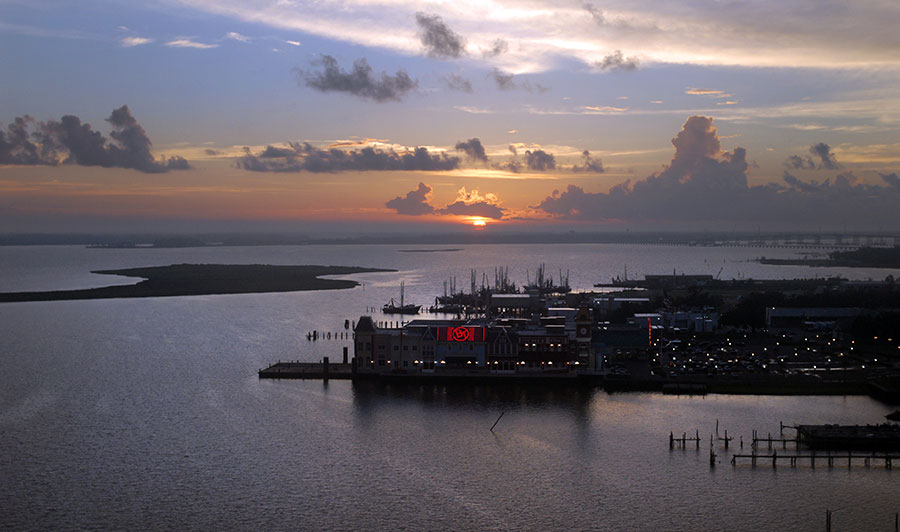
(584,322)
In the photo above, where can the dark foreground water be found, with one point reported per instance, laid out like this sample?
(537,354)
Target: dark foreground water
(147,414)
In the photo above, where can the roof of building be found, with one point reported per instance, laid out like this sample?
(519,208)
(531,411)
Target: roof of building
(365,324)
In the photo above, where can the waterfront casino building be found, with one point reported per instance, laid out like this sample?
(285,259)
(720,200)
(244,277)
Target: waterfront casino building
(558,344)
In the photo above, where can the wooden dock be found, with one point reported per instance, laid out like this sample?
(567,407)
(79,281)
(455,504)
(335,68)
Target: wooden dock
(307,370)
(830,459)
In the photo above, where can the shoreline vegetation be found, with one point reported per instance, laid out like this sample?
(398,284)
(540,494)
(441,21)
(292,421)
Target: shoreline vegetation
(858,258)
(205,279)
(428,250)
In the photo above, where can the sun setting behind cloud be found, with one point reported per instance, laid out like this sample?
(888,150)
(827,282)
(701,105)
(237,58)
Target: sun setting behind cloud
(527,113)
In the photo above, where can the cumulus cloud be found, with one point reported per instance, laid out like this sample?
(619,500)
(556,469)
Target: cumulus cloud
(617,61)
(360,82)
(437,38)
(415,203)
(535,160)
(824,153)
(468,203)
(539,160)
(458,83)
(69,141)
(704,184)
(800,162)
(472,203)
(298,157)
(588,164)
(473,148)
(480,208)
(820,151)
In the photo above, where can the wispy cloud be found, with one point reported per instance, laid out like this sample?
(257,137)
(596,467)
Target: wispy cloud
(37,31)
(474,110)
(129,42)
(605,109)
(235,36)
(544,34)
(704,92)
(188,43)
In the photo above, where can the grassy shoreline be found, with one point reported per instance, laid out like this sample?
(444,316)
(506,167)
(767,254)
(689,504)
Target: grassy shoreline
(205,279)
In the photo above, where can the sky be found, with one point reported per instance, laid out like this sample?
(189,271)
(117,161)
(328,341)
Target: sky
(382,115)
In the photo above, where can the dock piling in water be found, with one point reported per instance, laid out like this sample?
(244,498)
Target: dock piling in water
(495,422)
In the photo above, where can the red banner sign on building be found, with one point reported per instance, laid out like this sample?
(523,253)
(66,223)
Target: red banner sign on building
(460,334)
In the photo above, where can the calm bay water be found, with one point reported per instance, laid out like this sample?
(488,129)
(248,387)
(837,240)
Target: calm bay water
(147,413)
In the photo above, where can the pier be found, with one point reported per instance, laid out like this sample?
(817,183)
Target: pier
(793,459)
(323,370)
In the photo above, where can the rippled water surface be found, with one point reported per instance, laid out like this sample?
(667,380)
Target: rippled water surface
(147,414)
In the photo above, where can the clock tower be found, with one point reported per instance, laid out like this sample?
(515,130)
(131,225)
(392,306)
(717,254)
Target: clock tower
(583,324)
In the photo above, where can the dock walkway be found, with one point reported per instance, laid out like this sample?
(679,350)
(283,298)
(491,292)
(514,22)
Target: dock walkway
(307,370)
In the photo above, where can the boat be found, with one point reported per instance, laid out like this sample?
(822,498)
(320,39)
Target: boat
(402,308)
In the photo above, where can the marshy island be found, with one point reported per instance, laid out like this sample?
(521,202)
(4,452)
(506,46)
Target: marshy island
(206,279)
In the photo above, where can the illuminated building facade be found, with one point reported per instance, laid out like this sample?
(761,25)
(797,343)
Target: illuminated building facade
(423,347)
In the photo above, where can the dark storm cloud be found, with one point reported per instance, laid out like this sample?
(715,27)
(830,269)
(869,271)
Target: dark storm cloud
(617,61)
(536,161)
(797,184)
(16,146)
(73,142)
(539,160)
(823,152)
(473,148)
(458,83)
(799,162)
(305,157)
(414,204)
(483,209)
(437,38)
(704,184)
(499,47)
(820,151)
(588,164)
(177,162)
(360,82)
(891,179)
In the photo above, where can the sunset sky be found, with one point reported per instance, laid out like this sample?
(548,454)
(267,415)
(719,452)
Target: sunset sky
(381,115)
